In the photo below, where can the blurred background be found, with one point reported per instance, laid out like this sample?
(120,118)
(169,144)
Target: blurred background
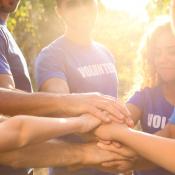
(120,27)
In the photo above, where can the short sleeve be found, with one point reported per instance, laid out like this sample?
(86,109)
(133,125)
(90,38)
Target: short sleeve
(137,99)
(4,65)
(50,63)
(172,118)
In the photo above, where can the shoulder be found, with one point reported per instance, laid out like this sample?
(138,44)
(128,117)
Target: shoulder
(147,93)
(103,49)
(3,36)
(54,50)
(56,46)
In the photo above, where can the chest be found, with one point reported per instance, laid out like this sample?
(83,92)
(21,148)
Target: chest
(91,72)
(156,115)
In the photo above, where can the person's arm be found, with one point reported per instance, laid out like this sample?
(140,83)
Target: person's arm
(57,154)
(152,150)
(60,86)
(22,130)
(172,14)
(139,162)
(14,102)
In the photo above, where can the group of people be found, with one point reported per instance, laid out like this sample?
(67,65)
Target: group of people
(75,123)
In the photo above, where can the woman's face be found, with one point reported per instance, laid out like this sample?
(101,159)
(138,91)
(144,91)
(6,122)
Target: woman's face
(164,56)
(79,15)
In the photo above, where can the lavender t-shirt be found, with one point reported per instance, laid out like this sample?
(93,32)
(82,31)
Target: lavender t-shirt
(85,69)
(156,113)
(172,118)
(12,62)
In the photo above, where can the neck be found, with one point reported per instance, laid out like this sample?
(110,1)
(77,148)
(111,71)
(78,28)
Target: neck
(4,16)
(169,92)
(80,38)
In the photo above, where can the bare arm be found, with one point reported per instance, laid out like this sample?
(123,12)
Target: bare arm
(136,140)
(139,162)
(57,154)
(20,131)
(14,102)
(60,86)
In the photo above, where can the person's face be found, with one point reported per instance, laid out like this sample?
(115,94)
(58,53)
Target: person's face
(8,6)
(79,15)
(164,56)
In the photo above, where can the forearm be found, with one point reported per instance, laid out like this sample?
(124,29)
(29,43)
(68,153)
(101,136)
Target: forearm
(23,130)
(31,103)
(141,163)
(152,150)
(51,153)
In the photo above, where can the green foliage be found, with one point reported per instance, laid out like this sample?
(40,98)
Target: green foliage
(157,7)
(35,24)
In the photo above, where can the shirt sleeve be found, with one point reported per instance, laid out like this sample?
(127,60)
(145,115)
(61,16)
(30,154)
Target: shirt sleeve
(4,65)
(50,63)
(137,99)
(172,118)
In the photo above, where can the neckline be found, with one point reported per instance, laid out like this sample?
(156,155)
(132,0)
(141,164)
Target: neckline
(76,45)
(163,97)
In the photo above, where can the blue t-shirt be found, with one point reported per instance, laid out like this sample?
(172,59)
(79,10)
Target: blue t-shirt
(156,112)
(84,68)
(172,118)
(13,63)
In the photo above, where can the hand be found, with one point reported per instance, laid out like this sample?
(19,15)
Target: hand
(110,132)
(119,149)
(122,166)
(88,123)
(95,104)
(92,155)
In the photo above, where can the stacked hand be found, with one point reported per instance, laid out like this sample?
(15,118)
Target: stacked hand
(106,134)
(110,156)
(95,104)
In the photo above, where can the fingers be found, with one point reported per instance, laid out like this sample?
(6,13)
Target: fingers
(118,148)
(118,111)
(108,147)
(111,164)
(115,110)
(105,141)
(130,122)
(101,115)
(112,108)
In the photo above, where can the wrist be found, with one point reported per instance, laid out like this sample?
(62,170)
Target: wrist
(62,104)
(78,154)
(87,153)
(122,133)
(78,125)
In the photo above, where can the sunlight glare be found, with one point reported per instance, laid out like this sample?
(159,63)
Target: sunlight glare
(133,7)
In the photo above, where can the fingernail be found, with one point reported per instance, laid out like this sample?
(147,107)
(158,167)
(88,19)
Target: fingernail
(99,144)
(108,119)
